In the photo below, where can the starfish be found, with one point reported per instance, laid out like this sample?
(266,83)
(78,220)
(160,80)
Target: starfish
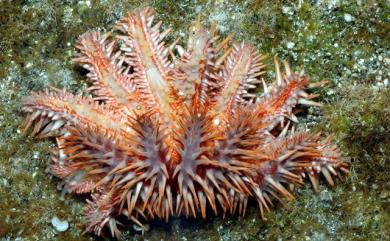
(167,130)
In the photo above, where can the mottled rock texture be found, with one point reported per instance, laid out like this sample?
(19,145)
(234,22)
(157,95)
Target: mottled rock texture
(344,42)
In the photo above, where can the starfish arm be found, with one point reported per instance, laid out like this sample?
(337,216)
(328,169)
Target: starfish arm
(100,212)
(279,100)
(240,73)
(143,183)
(50,111)
(144,50)
(197,67)
(194,138)
(111,81)
(287,160)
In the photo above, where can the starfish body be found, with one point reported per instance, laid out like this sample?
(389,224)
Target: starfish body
(172,131)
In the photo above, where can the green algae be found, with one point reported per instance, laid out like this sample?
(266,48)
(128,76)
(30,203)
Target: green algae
(36,47)
(361,122)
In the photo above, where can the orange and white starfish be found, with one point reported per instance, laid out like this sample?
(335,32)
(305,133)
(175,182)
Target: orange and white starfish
(172,130)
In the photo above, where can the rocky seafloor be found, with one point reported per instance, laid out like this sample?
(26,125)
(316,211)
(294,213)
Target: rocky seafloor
(344,42)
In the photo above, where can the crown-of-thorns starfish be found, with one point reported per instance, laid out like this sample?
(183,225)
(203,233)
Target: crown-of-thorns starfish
(176,131)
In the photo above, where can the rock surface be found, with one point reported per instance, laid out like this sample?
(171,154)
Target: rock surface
(345,42)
